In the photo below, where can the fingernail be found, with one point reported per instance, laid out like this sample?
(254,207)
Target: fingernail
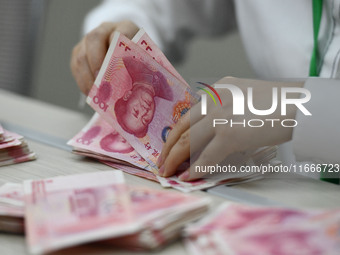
(159,160)
(161,171)
(184,176)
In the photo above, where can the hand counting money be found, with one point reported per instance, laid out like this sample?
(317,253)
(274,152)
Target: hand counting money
(139,96)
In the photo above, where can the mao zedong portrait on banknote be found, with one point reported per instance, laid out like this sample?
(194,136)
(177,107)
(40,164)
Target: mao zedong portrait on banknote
(135,110)
(114,142)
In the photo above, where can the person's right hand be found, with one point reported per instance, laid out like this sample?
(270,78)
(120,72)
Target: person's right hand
(216,143)
(88,55)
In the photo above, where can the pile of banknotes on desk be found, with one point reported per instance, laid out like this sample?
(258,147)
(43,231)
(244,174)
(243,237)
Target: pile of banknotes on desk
(240,229)
(71,210)
(11,208)
(138,97)
(13,148)
(68,211)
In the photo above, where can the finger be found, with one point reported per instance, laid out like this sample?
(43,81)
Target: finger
(190,118)
(181,126)
(213,154)
(191,141)
(178,154)
(196,115)
(187,176)
(81,69)
(97,43)
(127,28)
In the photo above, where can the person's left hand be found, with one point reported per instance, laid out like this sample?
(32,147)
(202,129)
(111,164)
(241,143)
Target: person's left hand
(88,55)
(220,141)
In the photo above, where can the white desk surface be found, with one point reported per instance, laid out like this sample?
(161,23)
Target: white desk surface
(64,124)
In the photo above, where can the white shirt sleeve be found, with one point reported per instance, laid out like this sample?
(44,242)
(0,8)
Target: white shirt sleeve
(170,23)
(317,138)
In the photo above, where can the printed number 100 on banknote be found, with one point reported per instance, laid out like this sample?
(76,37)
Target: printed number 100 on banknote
(137,96)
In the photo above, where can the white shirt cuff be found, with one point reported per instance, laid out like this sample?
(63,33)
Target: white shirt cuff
(316,138)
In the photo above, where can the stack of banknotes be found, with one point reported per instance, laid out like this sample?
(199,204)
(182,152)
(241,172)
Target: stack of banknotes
(138,97)
(11,208)
(71,210)
(240,229)
(13,148)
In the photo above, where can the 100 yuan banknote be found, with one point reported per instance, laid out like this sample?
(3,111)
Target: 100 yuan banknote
(69,210)
(11,200)
(99,139)
(140,98)
(143,40)
(240,229)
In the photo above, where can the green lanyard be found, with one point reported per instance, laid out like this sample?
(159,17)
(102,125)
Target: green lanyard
(315,60)
(314,70)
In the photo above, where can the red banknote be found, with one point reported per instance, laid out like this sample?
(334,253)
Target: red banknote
(13,148)
(99,140)
(11,208)
(70,210)
(242,230)
(139,97)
